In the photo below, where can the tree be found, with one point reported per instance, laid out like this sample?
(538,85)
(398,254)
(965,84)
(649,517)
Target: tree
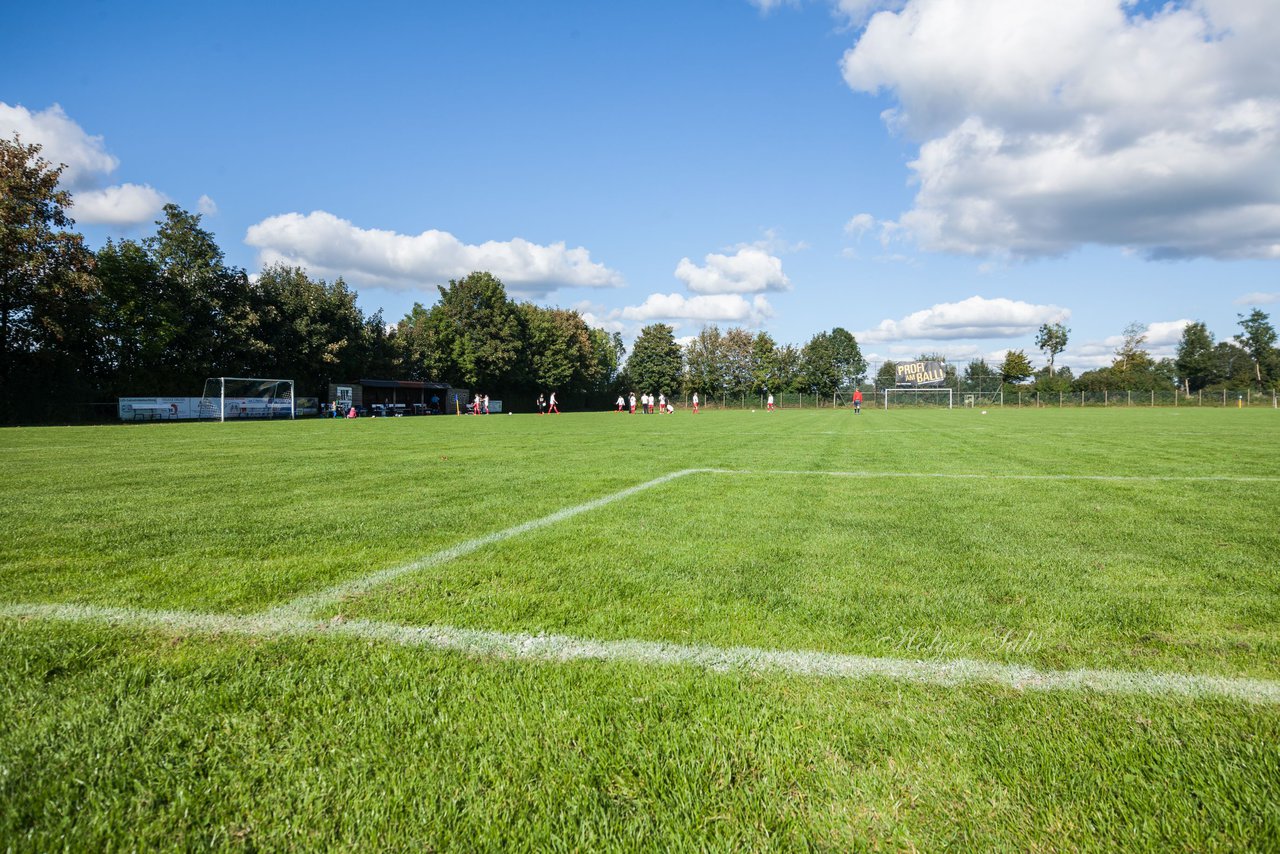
(655,364)
(738,347)
(47,289)
(887,376)
(1259,339)
(1052,339)
(820,374)
(381,351)
(478,331)
(1232,366)
(1133,368)
(1195,360)
(607,353)
(704,361)
(788,357)
(850,367)
(216,326)
(765,368)
(309,330)
(975,373)
(139,320)
(1016,367)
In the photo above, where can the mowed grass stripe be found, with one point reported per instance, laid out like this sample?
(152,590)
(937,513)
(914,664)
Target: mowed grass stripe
(559,648)
(306,604)
(363,584)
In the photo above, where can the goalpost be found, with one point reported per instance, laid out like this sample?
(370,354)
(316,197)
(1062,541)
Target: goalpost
(247,397)
(921,397)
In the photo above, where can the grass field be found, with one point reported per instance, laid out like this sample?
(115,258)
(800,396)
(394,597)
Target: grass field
(1033,630)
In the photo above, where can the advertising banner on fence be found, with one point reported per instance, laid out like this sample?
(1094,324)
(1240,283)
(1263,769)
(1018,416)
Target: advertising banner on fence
(158,408)
(920,374)
(188,408)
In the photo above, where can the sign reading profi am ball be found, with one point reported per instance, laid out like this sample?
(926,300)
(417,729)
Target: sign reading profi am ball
(918,374)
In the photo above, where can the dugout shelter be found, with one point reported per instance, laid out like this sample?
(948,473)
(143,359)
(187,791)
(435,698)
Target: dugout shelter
(394,397)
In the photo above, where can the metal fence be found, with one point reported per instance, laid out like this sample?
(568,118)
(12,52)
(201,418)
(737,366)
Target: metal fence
(1242,398)
(1223,398)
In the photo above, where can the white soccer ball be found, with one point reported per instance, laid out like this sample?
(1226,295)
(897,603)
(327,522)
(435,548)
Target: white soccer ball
(984,412)
(753,410)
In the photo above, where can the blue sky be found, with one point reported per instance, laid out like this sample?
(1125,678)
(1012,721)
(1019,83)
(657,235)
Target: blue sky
(934,175)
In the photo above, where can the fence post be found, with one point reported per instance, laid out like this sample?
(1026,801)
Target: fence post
(1129,397)
(1105,397)
(1153,397)
(1059,400)
(1224,398)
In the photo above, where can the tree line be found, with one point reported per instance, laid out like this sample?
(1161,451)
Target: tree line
(159,315)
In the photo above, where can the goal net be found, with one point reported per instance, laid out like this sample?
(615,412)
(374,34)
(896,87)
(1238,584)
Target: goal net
(941,398)
(246,397)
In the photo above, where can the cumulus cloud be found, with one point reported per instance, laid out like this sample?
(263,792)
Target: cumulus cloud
(1257,298)
(859,224)
(329,246)
(1047,125)
(975,317)
(207,206)
(88,165)
(1161,342)
(748,271)
(123,205)
(731,308)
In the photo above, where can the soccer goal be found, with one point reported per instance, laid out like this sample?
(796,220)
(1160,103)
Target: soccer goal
(246,397)
(914,397)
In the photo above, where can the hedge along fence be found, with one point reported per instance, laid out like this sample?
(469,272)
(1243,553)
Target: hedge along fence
(782,400)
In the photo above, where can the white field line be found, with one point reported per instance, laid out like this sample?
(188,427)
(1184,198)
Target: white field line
(560,648)
(310,602)
(1120,478)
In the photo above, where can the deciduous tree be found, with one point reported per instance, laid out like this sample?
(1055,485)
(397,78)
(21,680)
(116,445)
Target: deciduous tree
(1258,337)
(1195,360)
(1052,340)
(655,364)
(47,291)
(1016,367)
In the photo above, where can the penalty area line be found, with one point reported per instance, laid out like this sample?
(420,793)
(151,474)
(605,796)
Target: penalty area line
(560,648)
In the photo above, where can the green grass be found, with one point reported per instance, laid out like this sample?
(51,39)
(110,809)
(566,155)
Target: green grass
(117,737)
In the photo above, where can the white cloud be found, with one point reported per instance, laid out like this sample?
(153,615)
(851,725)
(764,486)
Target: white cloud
(732,308)
(62,141)
(88,164)
(859,224)
(329,246)
(772,243)
(1047,125)
(123,205)
(207,206)
(1161,342)
(1257,298)
(767,6)
(748,271)
(975,317)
